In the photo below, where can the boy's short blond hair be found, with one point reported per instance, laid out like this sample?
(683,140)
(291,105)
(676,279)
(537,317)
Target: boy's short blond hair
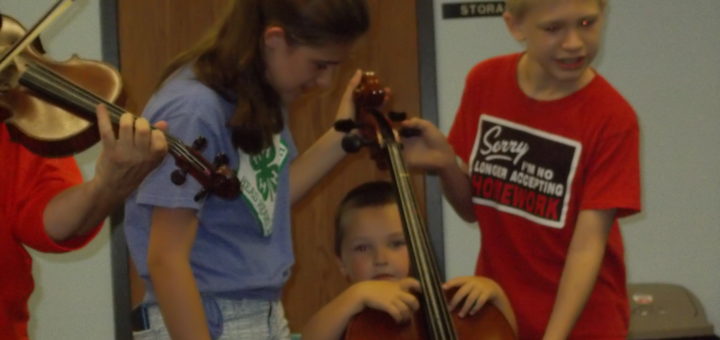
(518,8)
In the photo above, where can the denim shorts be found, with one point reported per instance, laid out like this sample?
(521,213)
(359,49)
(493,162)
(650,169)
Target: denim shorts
(242,319)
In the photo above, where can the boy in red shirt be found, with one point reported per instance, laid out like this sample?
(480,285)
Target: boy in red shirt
(549,155)
(44,204)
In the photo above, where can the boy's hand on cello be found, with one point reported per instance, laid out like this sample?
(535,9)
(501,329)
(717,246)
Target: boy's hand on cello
(473,292)
(393,297)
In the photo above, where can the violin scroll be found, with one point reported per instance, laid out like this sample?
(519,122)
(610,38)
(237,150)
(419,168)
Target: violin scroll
(216,178)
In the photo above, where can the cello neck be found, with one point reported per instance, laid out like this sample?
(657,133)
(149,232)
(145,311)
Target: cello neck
(422,256)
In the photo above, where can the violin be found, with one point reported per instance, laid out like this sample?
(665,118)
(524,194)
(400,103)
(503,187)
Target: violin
(49,107)
(433,320)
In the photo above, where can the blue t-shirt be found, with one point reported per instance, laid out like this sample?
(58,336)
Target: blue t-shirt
(230,257)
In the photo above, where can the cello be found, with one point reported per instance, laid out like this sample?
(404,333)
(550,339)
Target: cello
(49,107)
(433,320)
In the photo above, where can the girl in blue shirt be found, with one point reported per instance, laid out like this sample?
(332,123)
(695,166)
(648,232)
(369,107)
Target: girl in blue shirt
(214,268)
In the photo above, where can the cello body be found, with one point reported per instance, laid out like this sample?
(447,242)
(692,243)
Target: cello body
(487,324)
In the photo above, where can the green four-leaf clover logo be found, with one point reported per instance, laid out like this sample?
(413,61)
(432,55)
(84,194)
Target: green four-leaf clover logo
(267,173)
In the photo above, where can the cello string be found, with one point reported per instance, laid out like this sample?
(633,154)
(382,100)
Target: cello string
(426,264)
(436,307)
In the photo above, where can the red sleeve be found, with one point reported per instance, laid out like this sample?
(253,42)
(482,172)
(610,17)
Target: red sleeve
(613,172)
(464,127)
(39,180)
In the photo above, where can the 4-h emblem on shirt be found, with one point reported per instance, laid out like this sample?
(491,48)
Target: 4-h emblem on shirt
(259,175)
(266,172)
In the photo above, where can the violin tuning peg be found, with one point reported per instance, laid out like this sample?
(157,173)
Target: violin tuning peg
(178,176)
(199,143)
(397,116)
(200,195)
(345,125)
(352,143)
(221,159)
(410,132)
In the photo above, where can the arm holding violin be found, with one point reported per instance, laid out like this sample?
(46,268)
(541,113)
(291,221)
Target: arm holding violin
(123,163)
(316,161)
(474,291)
(392,297)
(431,152)
(582,265)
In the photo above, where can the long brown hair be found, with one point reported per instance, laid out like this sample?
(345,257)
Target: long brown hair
(229,59)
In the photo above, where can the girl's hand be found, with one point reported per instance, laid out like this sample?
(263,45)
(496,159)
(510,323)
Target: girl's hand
(429,151)
(392,297)
(347,107)
(474,290)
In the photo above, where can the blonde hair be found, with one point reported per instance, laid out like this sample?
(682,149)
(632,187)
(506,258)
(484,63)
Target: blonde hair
(518,8)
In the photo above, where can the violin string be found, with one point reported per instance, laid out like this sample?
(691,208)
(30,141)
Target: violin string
(425,260)
(88,101)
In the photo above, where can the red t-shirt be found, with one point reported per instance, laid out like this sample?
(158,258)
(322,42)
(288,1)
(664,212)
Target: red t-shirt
(27,183)
(533,166)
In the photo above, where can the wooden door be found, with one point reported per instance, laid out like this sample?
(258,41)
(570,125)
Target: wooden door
(152,32)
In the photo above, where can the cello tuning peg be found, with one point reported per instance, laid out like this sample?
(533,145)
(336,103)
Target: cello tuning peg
(410,132)
(221,159)
(200,195)
(397,116)
(353,143)
(199,143)
(178,176)
(345,125)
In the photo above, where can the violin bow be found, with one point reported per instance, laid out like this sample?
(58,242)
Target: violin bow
(33,33)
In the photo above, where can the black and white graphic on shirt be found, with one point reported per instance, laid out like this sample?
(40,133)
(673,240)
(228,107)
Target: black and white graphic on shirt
(523,171)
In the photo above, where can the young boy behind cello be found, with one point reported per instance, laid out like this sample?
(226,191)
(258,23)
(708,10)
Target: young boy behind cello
(372,253)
